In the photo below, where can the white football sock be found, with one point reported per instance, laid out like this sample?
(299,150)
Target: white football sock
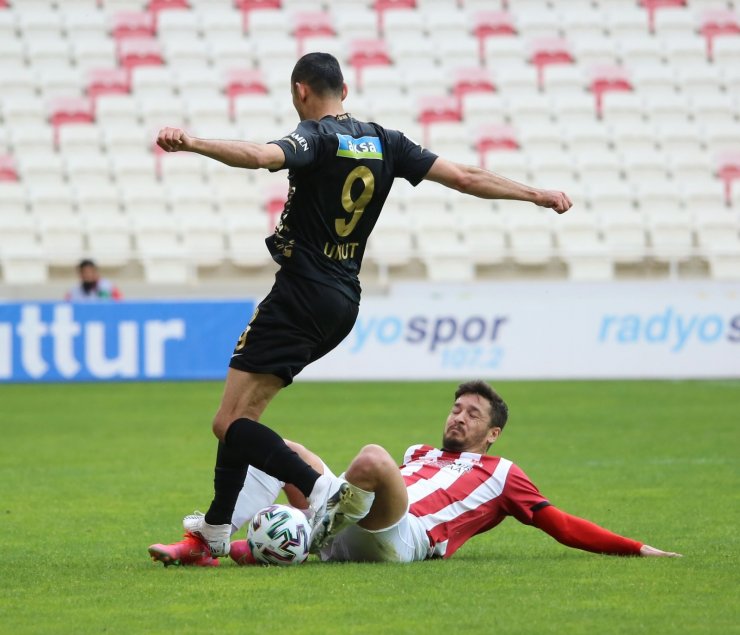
(357,506)
(260,490)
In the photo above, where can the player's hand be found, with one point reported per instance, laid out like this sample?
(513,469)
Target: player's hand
(558,201)
(648,551)
(173,139)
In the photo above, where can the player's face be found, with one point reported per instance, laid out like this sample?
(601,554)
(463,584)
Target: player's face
(467,427)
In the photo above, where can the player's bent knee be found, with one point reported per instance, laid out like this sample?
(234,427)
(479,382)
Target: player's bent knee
(371,460)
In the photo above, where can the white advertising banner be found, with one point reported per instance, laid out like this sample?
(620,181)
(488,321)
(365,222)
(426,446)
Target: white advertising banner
(543,330)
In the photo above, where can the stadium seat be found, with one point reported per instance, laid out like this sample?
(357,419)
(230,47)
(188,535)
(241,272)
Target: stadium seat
(156,112)
(82,22)
(471,79)
(160,250)
(581,247)
(183,170)
(655,80)
(48,54)
(108,81)
(582,21)
(548,51)
(243,81)
(246,233)
(652,7)
(490,24)
(23,264)
(702,192)
(31,139)
(494,138)
(391,243)
(682,51)
(676,21)
(109,239)
(12,52)
(437,109)
(573,108)
(502,52)
(484,238)
(197,82)
(178,24)
(62,239)
(220,23)
(718,238)
(530,238)
(511,164)
(18,82)
(585,136)
(95,199)
(134,169)
(594,51)
(152,81)
(671,240)
(716,22)
(36,24)
(625,237)
(139,51)
(727,51)
(728,170)
(542,138)
(8,170)
(51,199)
(182,53)
(608,79)
(248,6)
(307,25)
(480,108)
(133,24)
(714,107)
(699,77)
(446,22)
(86,167)
(598,167)
(382,6)
(41,168)
(525,108)
(355,22)
(155,6)
(550,170)
(203,240)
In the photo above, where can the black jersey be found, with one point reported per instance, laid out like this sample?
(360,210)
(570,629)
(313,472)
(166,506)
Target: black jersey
(340,173)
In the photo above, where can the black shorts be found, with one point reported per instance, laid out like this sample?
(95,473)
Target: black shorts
(297,323)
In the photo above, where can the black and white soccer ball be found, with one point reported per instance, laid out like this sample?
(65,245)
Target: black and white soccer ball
(279,535)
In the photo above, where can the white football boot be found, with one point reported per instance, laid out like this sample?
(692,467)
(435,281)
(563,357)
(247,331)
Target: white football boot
(217,537)
(326,500)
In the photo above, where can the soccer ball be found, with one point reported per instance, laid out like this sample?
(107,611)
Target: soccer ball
(279,534)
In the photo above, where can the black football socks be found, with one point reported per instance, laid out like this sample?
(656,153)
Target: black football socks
(247,443)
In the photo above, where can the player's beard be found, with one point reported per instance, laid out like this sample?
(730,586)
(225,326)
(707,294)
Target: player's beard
(454,444)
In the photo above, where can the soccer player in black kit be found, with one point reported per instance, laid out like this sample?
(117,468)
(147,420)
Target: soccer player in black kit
(340,172)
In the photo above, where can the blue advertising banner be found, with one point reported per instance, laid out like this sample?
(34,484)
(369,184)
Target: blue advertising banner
(53,341)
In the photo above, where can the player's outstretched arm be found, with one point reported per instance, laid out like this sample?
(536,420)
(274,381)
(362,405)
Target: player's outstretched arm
(651,552)
(579,533)
(237,154)
(484,184)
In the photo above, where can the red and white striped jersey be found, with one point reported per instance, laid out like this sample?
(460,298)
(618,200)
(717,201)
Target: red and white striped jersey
(457,495)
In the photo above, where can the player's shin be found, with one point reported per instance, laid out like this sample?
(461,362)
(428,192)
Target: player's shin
(266,450)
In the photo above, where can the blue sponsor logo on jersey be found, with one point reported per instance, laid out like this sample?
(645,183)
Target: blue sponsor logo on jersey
(362,148)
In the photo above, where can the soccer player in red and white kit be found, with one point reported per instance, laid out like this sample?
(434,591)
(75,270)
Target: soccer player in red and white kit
(435,502)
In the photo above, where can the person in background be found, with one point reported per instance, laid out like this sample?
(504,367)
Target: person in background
(92,288)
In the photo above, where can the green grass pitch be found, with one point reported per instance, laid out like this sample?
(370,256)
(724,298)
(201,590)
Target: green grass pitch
(90,475)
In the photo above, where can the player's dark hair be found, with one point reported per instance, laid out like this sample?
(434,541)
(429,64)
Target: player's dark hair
(499,409)
(321,72)
(86,263)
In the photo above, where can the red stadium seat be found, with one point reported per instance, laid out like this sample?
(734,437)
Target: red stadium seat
(717,22)
(546,51)
(437,109)
(494,137)
(367,53)
(108,81)
(7,169)
(489,24)
(728,170)
(472,80)
(605,79)
(155,6)
(314,24)
(139,51)
(381,6)
(66,110)
(242,82)
(653,5)
(245,6)
(275,198)
(139,24)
